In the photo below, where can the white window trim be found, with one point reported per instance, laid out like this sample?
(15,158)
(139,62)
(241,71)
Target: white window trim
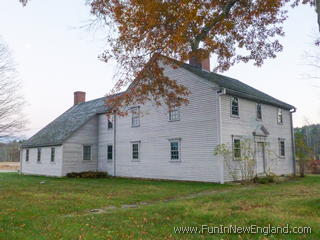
(279,146)
(171,110)
(110,160)
(179,149)
(233,115)
(86,145)
(139,152)
(139,117)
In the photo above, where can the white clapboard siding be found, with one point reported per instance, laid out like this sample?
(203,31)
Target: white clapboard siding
(105,138)
(247,123)
(45,166)
(197,130)
(73,149)
(204,123)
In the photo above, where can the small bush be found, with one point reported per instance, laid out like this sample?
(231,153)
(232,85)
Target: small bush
(89,174)
(260,180)
(72,175)
(271,178)
(265,179)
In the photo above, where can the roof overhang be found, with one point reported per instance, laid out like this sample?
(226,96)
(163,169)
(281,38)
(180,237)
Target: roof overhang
(257,99)
(40,145)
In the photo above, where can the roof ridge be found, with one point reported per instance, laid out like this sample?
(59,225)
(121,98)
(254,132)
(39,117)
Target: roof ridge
(219,78)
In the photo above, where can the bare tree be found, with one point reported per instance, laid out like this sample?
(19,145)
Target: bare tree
(318,11)
(311,59)
(12,120)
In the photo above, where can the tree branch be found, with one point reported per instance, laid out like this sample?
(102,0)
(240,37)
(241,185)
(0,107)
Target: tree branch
(207,28)
(318,11)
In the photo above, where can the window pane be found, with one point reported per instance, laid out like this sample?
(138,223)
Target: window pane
(135,155)
(174,114)
(86,152)
(174,150)
(135,117)
(135,147)
(135,151)
(237,148)
(282,148)
(259,113)
(174,155)
(280,120)
(235,106)
(27,155)
(110,152)
(174,146)
(39,155)
(109,124)
(52,154)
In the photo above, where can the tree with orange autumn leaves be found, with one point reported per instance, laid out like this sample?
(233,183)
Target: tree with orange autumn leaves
(142,31)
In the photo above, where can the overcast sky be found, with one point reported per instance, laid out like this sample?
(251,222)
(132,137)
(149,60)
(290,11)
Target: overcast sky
(56,57)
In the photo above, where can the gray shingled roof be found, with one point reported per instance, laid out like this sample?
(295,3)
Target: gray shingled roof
(62,127)
(237,88)
(56,132)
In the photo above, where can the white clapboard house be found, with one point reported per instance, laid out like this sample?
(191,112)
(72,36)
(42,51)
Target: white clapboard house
(161,144)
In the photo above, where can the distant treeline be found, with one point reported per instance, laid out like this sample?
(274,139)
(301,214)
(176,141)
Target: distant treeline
(312,136)
(9,152)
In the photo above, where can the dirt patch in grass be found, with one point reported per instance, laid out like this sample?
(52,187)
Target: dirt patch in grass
(9,165)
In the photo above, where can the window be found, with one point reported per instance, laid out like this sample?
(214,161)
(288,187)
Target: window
(110,125)
(175,150)
(280,117)
(27,155)
(39,155)
(259,111)
(135,117)
(53,153)
(236,148)
(235,106)
(174,114)
(282,151)
(135,151)
(86,152)
(110,153)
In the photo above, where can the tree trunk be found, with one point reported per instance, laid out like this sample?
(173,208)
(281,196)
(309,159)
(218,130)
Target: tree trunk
(302,168)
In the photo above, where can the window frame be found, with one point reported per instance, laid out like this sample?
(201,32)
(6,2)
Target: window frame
(236,138)
(178,140)
(135,115)
(83,152)
(132,151)
(231,107)
(38,155)
(110,159)
(280,141)
(280,116)
(109,124)
(27,155)
(259,118)
(176,111)
(53,153)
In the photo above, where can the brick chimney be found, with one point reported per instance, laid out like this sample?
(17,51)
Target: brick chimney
(201,60)
(79,97)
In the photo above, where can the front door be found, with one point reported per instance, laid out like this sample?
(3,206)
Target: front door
(260,157)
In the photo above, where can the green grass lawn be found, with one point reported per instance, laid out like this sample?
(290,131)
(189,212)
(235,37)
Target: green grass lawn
(59,208)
